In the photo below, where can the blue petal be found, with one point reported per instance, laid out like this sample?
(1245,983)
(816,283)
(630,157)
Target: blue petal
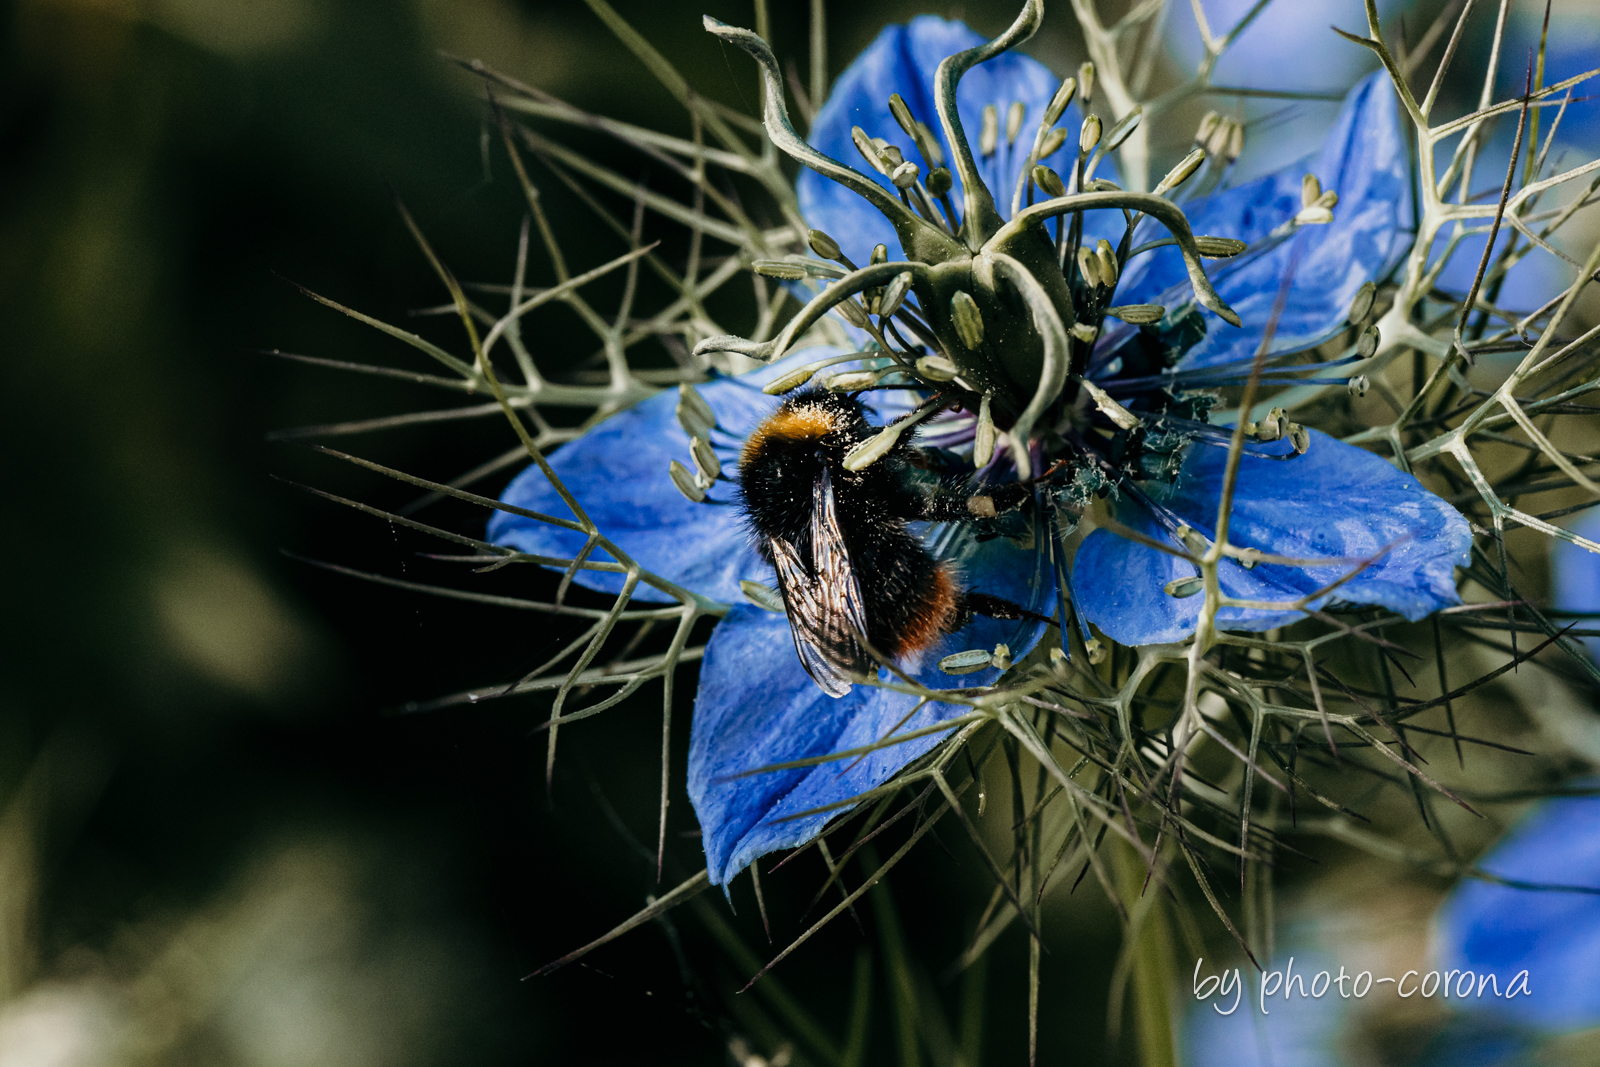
(1554,936)
(1575,575)
(1297,1031)
(618,473)
(1286,45)
(1367,161)
(1336,501)
(756,706)
(902,60)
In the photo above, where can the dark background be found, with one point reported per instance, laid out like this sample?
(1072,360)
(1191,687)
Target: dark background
(216,836)
(195,735)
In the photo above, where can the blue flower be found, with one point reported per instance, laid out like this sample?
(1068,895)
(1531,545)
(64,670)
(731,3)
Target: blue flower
(1296,1031)
(1575,576)
(1501,929)
(757,707)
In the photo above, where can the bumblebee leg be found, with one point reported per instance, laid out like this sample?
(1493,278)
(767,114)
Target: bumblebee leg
(994,607)
(954,503)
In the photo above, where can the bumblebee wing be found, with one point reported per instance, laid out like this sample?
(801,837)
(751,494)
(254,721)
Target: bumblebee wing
(823,600)
(836,575)
(803,601)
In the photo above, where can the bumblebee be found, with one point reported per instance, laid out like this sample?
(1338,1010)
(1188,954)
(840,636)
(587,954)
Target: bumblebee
(846,560)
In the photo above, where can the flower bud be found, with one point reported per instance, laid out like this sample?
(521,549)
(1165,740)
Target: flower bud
(1058,103)
(968,320)
(1361,306)
(1182,172)
(685,481)
(936,369)
(823,245)
(1014,116)
(705,458)
(1001,658)
(1097,651)
(989,134)
(1300,438)
(905,175)
(1089,133)
(763,596)
(1086,81)
(894,294)
(973,659)
(1219,247)
(1137,314)
(1367,343)
(880,254)
(939,181)
(983,437)
(1049,181)
(1185,587)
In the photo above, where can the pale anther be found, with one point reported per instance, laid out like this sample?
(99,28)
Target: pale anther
(989,133)
(1089,133)
(983,437)
(686,482)
(1058,102)
(1049,181)
(973,659)
(1014,116)
(705,458)
(937,369)
(1185,587)
(968,320)
(1367,343)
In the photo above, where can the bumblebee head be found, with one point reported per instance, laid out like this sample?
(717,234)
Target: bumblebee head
(814,425)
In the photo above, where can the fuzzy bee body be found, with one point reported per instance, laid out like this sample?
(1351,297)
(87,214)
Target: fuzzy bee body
(846,559)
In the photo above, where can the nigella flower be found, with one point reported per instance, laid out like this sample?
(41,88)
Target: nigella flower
(1026,343)
(1575,576)
(1541,915)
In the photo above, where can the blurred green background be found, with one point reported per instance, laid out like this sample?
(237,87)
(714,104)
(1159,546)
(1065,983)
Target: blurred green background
(216,843)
